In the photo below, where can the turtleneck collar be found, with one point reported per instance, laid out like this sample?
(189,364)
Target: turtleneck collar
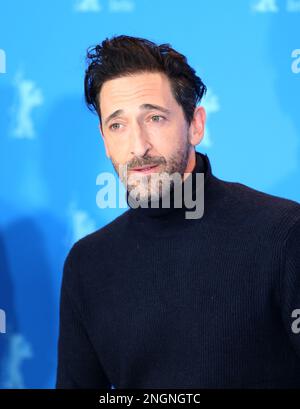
(202,165)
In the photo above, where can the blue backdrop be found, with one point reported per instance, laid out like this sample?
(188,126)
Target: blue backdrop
(246,52)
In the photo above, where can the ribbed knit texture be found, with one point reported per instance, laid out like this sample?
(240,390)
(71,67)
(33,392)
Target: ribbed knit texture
(155,300)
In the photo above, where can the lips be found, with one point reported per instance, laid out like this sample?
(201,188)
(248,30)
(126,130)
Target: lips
(144,168)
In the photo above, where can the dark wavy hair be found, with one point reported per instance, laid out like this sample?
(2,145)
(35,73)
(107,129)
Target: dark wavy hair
(125,55)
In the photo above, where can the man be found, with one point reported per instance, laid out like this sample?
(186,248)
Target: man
(156,299)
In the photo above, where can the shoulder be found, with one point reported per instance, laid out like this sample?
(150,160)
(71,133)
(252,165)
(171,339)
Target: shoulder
(256,205)
(99,243)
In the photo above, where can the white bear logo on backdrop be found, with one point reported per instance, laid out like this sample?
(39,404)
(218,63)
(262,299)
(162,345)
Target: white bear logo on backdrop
(29,97)
(95,6)
(271,6)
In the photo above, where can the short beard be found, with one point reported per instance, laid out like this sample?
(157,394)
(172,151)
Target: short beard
(154,186)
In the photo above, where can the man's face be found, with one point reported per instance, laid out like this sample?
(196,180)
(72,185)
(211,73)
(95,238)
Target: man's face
(149,130)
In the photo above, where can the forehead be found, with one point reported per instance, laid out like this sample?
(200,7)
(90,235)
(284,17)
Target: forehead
(142,87)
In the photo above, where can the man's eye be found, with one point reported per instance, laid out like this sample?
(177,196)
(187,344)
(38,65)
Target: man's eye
(112,126)
(157,116)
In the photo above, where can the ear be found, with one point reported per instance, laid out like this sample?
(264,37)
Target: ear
(197,126)
(104,140)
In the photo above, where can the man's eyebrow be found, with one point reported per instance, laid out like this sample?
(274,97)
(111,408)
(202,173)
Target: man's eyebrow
(142,107)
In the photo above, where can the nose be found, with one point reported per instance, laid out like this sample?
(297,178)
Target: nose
(140,143)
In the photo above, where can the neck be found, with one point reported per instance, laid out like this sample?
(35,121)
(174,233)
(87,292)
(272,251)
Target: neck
(191,164)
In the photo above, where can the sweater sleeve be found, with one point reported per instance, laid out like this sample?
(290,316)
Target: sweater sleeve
(78,365)
(290,286)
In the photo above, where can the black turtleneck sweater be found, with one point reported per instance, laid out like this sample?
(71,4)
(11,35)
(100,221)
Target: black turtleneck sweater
(155,300)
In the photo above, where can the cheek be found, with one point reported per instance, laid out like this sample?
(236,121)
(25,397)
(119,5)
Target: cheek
(118,149)
(163,134)
(168,138)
